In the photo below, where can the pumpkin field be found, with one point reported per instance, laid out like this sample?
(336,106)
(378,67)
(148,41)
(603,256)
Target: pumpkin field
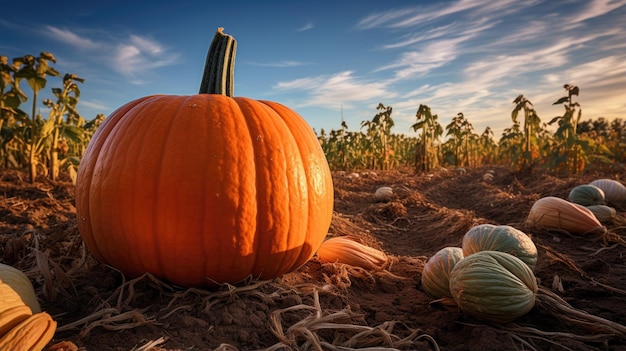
(580,303)
(261,234)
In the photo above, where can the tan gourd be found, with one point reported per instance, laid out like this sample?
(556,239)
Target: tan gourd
(614,191)
(553,213)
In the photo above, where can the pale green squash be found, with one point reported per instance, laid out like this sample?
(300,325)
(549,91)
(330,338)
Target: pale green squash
(604,213)
(493,286)
(504,238)
(436,272)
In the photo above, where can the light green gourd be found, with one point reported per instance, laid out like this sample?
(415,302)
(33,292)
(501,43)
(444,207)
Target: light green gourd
(603,213)
(504,238)
(436,272)
(493,286)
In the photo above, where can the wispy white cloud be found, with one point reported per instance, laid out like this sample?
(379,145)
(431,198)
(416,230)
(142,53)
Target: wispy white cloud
(280,64)
(146,45)
(503,7)
(10,25)
(410,17)
(306,27)
(336,90)
(411,39)
(418,63)
(381,19)
(133,56)
(504,69)
(68,37)
(419,15)
(600,82)
(596,8)
(527,33)
(139,55)
(94,105)
(436,49)
(555,55)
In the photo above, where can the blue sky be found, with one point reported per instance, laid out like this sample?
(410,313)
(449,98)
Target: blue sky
(328,59)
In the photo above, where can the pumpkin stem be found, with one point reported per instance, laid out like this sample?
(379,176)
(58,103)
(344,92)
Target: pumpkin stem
(219,68)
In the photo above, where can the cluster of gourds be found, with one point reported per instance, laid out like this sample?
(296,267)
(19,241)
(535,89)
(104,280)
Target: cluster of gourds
(586,210)
(23,326)
(490,276)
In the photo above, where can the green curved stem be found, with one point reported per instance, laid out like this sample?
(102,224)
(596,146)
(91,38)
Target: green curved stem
(219,68)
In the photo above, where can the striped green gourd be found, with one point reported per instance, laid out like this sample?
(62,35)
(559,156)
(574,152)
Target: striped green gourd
(504,238)
(587,195)
(493,286)
(436,272)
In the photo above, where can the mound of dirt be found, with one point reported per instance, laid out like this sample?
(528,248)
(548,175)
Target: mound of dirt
(580,305)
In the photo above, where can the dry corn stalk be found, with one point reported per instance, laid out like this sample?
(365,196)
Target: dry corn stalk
(554,213)
(342,249)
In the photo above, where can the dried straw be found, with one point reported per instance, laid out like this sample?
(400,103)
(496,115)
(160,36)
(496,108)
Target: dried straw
(339,330)
(565,312)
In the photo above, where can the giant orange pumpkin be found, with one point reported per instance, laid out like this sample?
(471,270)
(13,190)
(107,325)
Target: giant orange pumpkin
(204,189)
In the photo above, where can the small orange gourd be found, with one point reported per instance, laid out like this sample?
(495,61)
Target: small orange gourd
(20,328)
(13,309)
(345,250)
(31,334)
(204,189)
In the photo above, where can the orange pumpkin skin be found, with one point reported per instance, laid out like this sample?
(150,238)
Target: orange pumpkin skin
(204,189)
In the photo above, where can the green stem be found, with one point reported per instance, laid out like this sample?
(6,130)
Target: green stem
(54,148)
(32,157)
(219,68)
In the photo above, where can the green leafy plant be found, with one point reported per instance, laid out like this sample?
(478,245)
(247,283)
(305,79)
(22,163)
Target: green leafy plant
(43,146)
(487,146)
(378,134)
(531,125)
(61,130)
(426,151)
(571,149)
(34,70)
(461,133)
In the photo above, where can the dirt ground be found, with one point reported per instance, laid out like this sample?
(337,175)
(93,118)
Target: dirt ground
(333,306)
